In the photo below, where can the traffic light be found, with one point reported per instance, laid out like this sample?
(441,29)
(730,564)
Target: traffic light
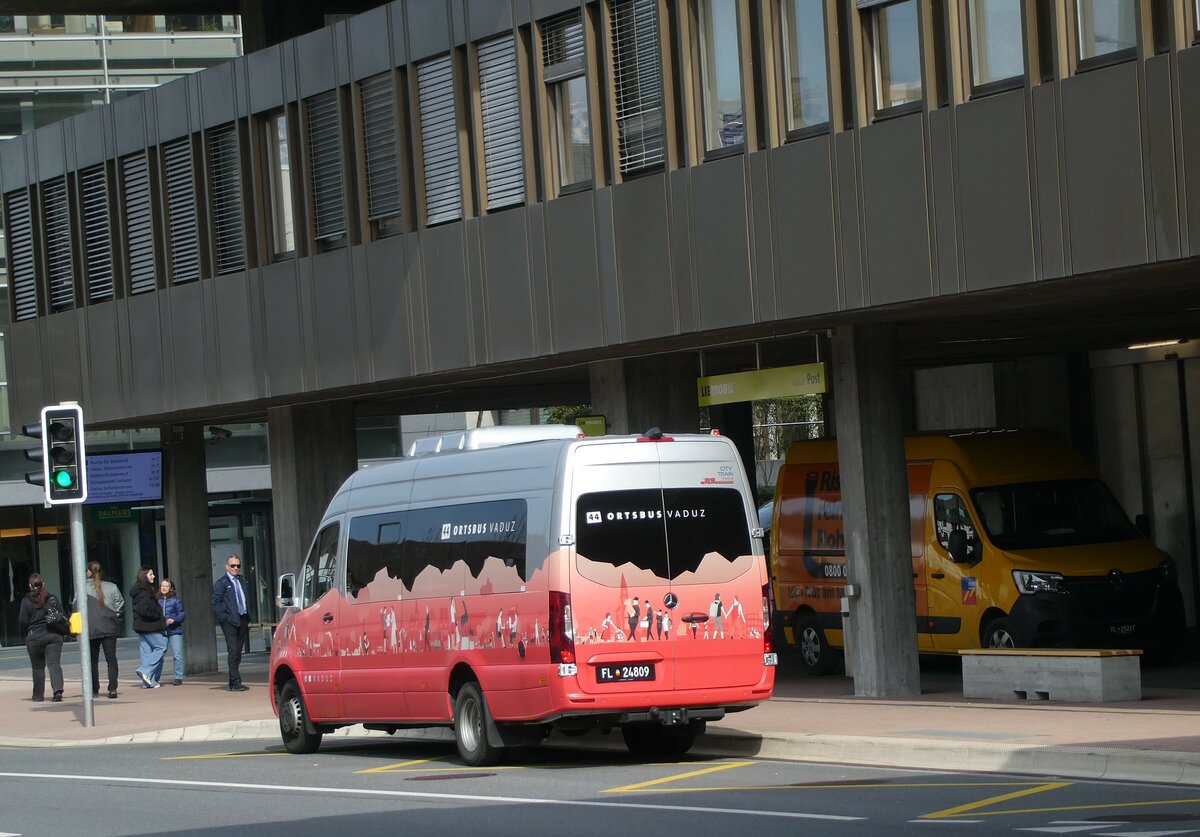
(64,474)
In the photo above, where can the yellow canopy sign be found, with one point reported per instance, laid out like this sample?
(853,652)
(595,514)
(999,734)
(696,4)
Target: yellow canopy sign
(782,382)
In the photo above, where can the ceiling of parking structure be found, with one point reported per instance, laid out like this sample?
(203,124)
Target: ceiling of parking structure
(114,7)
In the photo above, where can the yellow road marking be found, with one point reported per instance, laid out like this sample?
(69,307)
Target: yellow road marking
(994,800)
(832,787)
(223,756)
(690,774)
(397,766)
(1091,807)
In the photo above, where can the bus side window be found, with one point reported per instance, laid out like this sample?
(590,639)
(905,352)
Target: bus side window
(320,569)
(950,515)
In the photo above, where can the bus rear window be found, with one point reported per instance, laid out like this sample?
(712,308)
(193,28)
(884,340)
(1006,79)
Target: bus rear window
(636,526)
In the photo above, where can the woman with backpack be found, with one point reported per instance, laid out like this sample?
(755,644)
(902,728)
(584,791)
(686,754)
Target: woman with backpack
(105,603)
(43,644)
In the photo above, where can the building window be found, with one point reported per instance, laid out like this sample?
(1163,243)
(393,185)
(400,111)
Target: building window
(500,111)
(325,170)
(225,195)
(377,96)
(996,42)
(638,84)
(566,85)
(439,140)
(97,233)
(279,185)
(721,75)
(56,225)
(806,72)
(139,223)
(1107,30)
(22,278)
(896,50)
(183,233)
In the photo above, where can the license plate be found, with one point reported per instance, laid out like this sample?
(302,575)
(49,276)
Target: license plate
(771,659)
(625,673)
(1122,629)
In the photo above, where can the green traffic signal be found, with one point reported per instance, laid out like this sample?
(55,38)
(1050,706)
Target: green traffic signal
(63,479)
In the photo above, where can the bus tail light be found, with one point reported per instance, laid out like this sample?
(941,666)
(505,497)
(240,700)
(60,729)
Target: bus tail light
(768,639)
(562,637)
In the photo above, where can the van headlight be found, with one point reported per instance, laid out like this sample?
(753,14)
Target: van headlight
(1028,582)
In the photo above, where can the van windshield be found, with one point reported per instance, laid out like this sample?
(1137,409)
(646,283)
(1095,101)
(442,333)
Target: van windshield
(1036,515)
(634,526)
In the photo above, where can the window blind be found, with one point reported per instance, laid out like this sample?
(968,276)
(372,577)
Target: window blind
(637,84)
(500,105)
(439,140)
(139,223)
(378,99)
(225,195)
(183,234)
(97,233)
(19,229)
(562,46)
(56,224)
(325,169)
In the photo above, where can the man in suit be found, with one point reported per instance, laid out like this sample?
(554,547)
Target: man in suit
(229,603)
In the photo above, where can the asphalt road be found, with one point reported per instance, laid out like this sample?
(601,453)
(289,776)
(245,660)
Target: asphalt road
(422,788)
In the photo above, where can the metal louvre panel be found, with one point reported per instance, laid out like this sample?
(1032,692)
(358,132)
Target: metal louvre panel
(139,223)
(637,84)
(500,104)
(562,42)
(18,224)
(439,140)
(183,234)
(97,233)
(56,222)
(225,190)
(379,146)
(325,153)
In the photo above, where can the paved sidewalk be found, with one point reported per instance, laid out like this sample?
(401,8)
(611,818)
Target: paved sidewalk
(817,719)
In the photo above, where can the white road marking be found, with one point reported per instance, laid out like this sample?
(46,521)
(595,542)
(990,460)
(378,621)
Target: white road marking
(1147,833)
(444,797)
(1072,827)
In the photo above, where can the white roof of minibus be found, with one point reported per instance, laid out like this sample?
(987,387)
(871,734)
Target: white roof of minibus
(490,437)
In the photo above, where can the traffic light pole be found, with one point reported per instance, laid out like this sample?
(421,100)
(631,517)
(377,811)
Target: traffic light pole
(79,568)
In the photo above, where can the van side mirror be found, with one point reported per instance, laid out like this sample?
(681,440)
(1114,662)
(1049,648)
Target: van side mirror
(957,546)
(286,591)
(1142,522)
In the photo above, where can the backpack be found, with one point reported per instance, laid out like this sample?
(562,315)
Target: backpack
(56,618)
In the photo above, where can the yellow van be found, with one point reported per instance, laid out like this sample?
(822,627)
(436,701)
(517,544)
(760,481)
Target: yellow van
(1016,542)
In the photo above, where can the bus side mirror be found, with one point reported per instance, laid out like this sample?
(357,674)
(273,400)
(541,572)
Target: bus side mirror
(286,592)
(957,546)
(1142,522)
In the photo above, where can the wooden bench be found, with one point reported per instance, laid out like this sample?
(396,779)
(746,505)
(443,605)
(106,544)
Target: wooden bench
(1083,674)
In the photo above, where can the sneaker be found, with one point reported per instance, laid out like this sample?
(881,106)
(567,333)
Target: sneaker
(113,693)
(57,697)
(239,688)
(154,684)
(146,681)
(177,683)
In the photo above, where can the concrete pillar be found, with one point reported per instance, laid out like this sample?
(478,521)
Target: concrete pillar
(312,450)
(882,653)
(185,505)
(637,394)
(737,422)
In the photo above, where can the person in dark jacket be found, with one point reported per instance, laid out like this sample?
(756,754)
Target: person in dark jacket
(105,603)
(173,615)
(231,607)
(149,624)
(44,645)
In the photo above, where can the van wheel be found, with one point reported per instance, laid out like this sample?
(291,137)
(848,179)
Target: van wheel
(1001,633)
(294,724)
(815,652)
(470,728)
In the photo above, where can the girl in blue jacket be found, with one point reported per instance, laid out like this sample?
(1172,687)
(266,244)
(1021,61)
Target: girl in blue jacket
(173,615)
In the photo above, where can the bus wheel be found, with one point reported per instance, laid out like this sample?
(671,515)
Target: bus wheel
(293,726)
(1000,633)
(814,648)
(470,728)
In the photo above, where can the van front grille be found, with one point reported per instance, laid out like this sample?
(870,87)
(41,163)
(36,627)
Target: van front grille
(1116,596)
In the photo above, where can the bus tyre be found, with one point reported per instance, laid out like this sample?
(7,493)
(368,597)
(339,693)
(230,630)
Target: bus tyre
(470,728)
(1000,633)
(815,652)
(294,723)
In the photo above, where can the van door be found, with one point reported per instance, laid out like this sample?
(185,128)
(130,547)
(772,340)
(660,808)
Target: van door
(316,626)
(955,600)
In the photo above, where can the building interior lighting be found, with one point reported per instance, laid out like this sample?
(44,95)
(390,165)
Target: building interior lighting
(1157,344)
